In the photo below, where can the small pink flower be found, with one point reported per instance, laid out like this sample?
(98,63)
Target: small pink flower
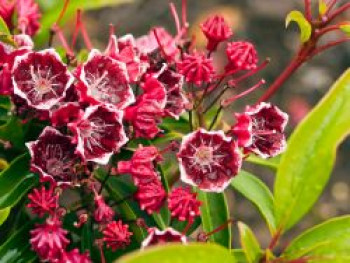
(41,79)
(151,196)
(7,9)
(216,31)
(196,68)
(117,235)
(43,201)
(144,116)
(260,130)
(74,256)
(99,133)
(208,160)
(241,56)
(103,212)
(158,237)
(28,16)
(49,239)
(154,90)
(125,50)
(183,204)
(105,81)
(176,100)
(141,165)
(53,157)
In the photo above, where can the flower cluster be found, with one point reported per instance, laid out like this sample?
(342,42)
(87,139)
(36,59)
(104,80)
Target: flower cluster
(96,111)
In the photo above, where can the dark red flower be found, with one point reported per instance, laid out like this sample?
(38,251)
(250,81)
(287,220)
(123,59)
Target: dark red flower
(141,165)
(74,256)
(117,235)
(208,160)
(176,100)
(196,68)
(158,237)
(154,90)
(53,157)
(183,204)
(28,16)
(41,79)
(43,201)
(49,239)
(105,81)
(103,212)
(99,133)
(7,9)
(151,195)
(216,31)
(260,130)
(125,50)
(144,116)
(241,56)
(67,113)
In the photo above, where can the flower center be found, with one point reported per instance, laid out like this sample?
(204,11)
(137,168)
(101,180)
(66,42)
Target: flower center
(204,155)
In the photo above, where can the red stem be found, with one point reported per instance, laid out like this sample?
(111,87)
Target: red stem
(176,17)
(329,45)
(337,12)
(308,9)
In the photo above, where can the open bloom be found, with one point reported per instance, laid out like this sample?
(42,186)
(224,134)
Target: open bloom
(43,201)
(208,160)
(99,133)
(125,50)
(260,130)
(105,81)
(74,256)
(141,165)
(216,31)
(158,237)
(49,239)
(41,78)
(117,235)
(183,204)
(241,56)
(103,212)
(151,195)
(196,68)
(53,157)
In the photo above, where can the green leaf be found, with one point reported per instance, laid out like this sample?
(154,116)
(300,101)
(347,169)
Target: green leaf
(4,213)
(3,27)
(215,213)
(322,7)
(271,163)
(12,131)
(258,193)
(17,248)
(327,242)
(345,27)
(16,181)
(249,243)
(307,164)
(239,255)
(52,11)
(304,25)
(177,253)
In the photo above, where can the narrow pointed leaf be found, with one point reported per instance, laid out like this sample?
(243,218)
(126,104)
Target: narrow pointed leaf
(249,244)
(308,162)
(4,213)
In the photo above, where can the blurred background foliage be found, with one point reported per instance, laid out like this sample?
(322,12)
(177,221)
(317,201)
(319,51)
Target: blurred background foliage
(261,22)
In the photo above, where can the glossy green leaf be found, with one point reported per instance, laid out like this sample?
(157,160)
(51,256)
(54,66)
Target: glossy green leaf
(249,243)
(16,181)
(215,213)
(304,25)
(53,9)
(239,255)
(307,164)
(345,27)
(271,163)
(4,213)
(177,253)
(17,248)
(12,131)
(258,193)
(3,27)
(327,242)
(322,7)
